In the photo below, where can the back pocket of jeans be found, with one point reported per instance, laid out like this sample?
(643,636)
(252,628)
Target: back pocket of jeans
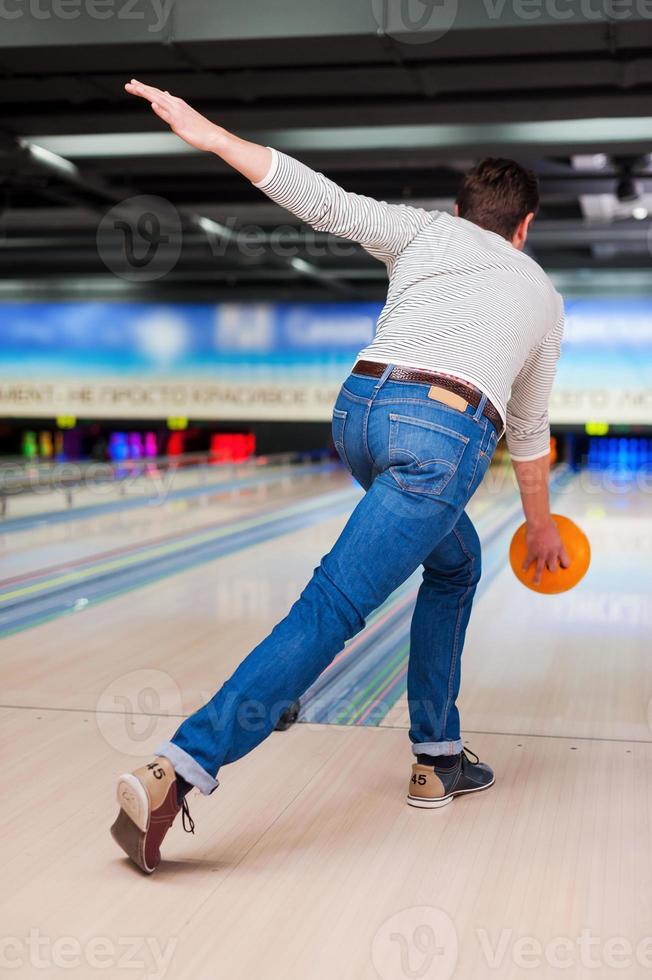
(423,455)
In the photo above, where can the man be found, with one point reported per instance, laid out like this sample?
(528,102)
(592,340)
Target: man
(466,343)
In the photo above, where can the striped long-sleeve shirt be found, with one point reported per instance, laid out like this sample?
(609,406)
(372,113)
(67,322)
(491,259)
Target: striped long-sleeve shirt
(460,300)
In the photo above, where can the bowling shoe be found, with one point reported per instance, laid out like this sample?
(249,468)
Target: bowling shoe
(432,787)
(149,805)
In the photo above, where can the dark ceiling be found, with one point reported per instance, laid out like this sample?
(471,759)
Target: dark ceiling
(350,89)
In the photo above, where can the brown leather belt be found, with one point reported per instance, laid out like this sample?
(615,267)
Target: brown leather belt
(464,391)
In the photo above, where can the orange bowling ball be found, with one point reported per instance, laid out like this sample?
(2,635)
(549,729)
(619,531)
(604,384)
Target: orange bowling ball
(578,549)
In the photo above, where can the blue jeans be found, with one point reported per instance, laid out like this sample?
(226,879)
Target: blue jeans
(419,462)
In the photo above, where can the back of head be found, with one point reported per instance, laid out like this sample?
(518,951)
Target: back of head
(497,194)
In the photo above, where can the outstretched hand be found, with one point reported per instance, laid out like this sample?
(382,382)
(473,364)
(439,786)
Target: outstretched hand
(182,119)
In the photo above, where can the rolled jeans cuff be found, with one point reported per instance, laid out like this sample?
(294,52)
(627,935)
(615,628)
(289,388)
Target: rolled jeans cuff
(187,767)
(437,748)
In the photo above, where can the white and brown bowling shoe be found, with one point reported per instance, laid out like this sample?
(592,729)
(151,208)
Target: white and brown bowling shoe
(149,804)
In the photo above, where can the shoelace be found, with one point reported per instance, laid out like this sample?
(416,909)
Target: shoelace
(185,817)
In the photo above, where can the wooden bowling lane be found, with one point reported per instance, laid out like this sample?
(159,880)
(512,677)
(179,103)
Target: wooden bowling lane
(66,542)
(307,862)
(147,481)
(368,678)
(189,630)
(572,665)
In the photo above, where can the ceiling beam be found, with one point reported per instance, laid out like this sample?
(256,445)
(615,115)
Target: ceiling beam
(194,24)
(92,191)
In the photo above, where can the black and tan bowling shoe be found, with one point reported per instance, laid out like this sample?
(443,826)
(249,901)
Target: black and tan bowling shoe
(431,786)
(149,804)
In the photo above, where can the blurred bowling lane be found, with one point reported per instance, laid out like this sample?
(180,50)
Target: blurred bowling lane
(573,665)
(152,484)
(576,664)
(188,631)
(179,637)
(66,541)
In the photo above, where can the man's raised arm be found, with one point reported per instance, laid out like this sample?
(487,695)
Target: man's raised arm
(383,229)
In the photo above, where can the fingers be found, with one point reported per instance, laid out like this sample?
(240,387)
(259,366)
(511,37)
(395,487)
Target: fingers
(552,562)
(558,559)
(139,88)
(149,92)
(135,87)
(161,102)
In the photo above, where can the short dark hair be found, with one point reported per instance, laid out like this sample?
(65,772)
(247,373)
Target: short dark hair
(497,194)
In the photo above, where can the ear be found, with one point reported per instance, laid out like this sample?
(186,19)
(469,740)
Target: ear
(520,235)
